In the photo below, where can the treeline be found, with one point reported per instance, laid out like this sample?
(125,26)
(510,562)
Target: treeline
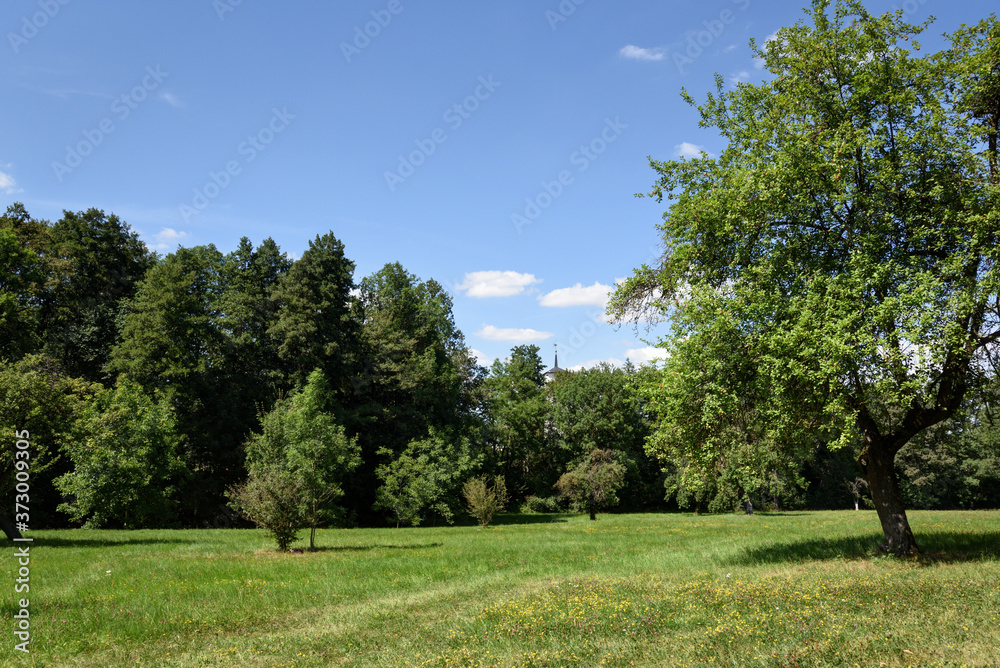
(152,386)
(145,380)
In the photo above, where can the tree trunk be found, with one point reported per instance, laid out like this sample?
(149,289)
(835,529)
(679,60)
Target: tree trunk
(593,511)
(9,528)
(881,475)
(856,504)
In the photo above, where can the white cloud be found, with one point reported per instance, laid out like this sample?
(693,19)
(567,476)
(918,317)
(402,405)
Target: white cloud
(578,295)
(512,335)
(481,358)
(759,62)
(645,355)
(739,77)
(689,150)
(729,48)
(496,283)
(7,183)
(172,100)
(168,238)
(590,364)
(633,52)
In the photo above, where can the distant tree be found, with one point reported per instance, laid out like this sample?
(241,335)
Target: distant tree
(127,465)
(25,270)
(601,408)
(425,478)
(416,376)
(171,343)
(301,437)
(484,500)
(594,483)
(839,258)
(314,327)
(101,262)
(518,415)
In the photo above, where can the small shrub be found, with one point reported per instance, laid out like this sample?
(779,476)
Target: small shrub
(272,499)
(485,501)
(541,504)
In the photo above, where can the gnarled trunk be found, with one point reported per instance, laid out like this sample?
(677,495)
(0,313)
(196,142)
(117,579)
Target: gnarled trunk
(884,485)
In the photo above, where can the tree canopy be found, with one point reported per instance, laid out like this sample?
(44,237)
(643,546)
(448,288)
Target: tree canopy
(832,275)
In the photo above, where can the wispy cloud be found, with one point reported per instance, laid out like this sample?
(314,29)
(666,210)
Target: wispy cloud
(481,358)
(689,150)
(7,183)
(484,284)
(578,295)
(590,364)
(633,52)
(645,355)
(759,62)
(739,77)
(172,100)
(512,335)
(168,238)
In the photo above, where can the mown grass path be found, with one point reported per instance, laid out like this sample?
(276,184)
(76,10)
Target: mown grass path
(789,589)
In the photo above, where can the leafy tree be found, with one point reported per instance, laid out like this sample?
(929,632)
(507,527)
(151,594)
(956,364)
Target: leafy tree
(314,328)
(594,482)
(25,268)
(835,268)
(299,436)
(425,478)
(417,376)
(101,260)
(955,464)
(172,343)
(518,414)
(37,397)
(127,467)
(601,408)
(485,500)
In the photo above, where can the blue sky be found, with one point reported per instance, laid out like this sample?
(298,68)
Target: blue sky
(493,146)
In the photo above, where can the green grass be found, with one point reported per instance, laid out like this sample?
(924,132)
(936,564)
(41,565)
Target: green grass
(790,589)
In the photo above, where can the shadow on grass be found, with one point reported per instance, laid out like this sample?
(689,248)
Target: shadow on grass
(531,518)
(935,546)
(83,541)
(366,548)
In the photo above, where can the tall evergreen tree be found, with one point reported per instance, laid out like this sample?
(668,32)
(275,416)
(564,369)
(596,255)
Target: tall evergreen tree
(102,261)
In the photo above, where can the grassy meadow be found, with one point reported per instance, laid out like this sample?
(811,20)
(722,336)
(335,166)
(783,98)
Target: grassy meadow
(778,589)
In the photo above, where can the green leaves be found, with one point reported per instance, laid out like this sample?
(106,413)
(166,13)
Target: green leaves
(834,270)
(127,465)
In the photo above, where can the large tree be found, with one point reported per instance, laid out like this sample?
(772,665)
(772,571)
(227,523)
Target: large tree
(518,416)
(838,260)
(100,261)
(25,272)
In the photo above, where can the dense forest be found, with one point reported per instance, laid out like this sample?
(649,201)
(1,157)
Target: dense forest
(152,385)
